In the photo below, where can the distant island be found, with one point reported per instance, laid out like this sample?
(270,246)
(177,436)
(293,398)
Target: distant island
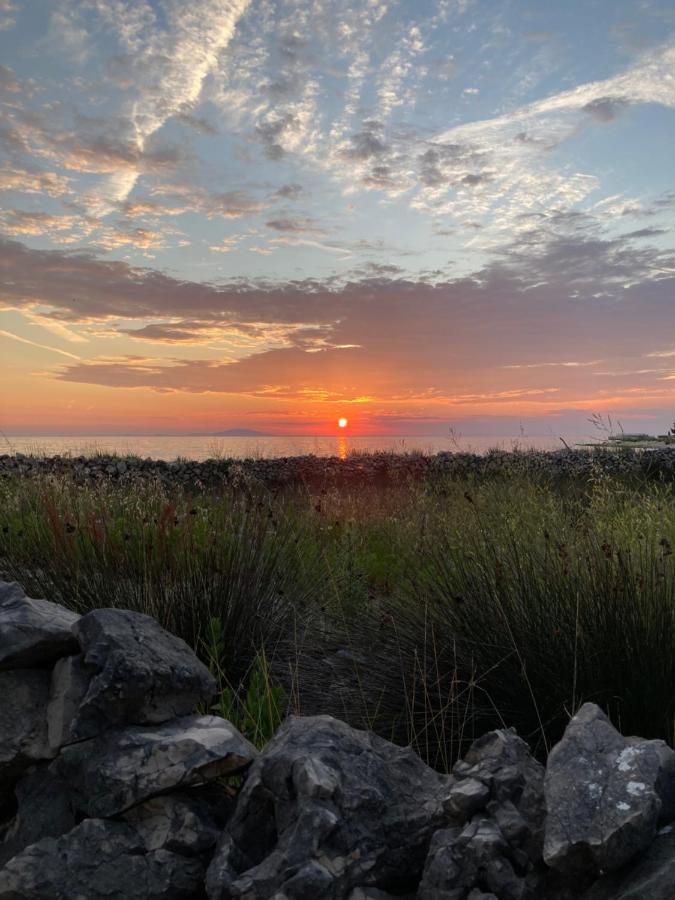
(232,432)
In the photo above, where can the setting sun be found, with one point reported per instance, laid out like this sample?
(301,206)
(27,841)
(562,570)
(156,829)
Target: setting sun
(342,423)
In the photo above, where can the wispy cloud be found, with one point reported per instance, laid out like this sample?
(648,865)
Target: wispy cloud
(23,340)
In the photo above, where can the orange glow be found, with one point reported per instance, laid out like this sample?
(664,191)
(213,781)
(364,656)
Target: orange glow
(342,423)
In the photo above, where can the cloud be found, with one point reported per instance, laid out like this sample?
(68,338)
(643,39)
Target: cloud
(23,222)
(293,226)
(32,181)
(367,143)
(7,20)
(290,191)
(605,109)
(271,131)
(181,197)
(9,84)
(23,340)
(563,291)
(164,62)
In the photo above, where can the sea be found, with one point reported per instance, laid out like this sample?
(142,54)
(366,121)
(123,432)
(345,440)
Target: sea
(200,447)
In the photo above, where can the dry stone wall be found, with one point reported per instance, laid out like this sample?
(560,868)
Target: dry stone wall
(356,469)
(115,782)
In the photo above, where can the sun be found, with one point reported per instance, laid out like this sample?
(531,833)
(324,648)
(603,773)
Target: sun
(342,423)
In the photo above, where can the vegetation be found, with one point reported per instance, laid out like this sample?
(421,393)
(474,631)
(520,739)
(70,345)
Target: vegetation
(428,611)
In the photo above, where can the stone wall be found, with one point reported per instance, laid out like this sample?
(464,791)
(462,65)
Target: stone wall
(375,468)
(115,782)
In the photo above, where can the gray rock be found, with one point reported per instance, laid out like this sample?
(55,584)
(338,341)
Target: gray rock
(496,809)
(326,809)
(461,859)
(99,860)
(503,761)
(23,722)
(33,633)
(179,822)
(604,794)
(360,893)
(651,877)
(69,686)
(43,810)
(467,797)
(125,766)
(139,673)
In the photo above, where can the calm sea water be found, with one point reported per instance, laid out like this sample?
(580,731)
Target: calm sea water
(171,446)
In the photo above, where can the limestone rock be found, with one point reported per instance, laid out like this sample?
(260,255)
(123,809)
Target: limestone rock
(467,797)
(496,810)
(139,673)
(125,766)
(604,794)
(651,877)
(460,859)
(43,810)
(178,822)
(360,893)
(69,686)
(23,722)
(99,860)
(326,809)
(33,633)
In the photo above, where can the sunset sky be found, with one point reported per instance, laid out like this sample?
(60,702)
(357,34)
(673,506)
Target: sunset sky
(269,214)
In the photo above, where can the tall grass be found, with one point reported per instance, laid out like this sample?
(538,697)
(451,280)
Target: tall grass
(186,560)
(427,611)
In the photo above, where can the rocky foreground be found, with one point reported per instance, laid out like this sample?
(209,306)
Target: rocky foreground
(356,469)
(113,785)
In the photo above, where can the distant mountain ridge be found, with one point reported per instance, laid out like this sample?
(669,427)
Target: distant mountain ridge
(233,432)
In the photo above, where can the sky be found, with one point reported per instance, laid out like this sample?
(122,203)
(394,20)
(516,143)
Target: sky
(269,214)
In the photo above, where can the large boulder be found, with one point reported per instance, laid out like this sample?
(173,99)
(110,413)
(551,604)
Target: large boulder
(43,810)
(99,860)
(23,721)
(122,767)
(496,812)
(138,673)
(326,809)
(651,877)
(604,795)
(33,633)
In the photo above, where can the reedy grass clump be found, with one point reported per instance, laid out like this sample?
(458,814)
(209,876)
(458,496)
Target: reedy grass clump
(183,559)
(429,611)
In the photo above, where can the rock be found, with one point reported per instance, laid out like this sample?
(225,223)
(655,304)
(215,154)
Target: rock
(360,893)
(178,822)
(460,860)
(139,673)
(125,766)
(33,633)
(99,860)
(23,723)
(651,877)
(69,686)
(467,797)
(43,810)
(604,794)
(496,809)
(326,809)
(503,761)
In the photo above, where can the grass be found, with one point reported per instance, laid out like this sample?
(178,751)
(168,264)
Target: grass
(428,611)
